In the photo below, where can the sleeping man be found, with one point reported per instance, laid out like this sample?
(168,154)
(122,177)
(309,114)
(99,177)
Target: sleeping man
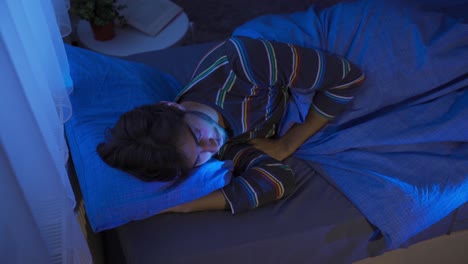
(231,110)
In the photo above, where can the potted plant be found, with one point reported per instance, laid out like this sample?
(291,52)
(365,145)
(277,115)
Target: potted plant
(101,14)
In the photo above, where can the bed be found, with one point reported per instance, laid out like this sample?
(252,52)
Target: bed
(390,173)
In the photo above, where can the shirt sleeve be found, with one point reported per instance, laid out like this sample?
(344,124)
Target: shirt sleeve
(259,179)
(334,79)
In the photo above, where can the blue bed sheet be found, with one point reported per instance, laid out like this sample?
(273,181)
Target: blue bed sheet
(400,154)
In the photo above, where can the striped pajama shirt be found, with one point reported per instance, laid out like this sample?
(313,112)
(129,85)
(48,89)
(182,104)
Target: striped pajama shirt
(248,81)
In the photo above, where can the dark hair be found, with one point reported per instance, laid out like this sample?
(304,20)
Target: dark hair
(144,143)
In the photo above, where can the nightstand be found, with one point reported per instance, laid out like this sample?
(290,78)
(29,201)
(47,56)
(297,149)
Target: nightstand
(129,41)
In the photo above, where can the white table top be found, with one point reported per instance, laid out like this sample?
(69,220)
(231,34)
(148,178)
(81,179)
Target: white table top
(129,41)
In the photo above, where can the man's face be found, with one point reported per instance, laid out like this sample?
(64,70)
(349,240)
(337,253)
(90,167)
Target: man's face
(202,139)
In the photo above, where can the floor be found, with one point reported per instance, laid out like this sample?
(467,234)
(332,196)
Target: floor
(451,249)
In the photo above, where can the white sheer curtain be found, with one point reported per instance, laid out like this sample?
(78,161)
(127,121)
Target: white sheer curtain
(37,221)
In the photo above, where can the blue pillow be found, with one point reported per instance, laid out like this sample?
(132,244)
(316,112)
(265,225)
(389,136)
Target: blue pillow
(104,88)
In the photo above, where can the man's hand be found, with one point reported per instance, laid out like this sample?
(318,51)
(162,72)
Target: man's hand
(285,146)
(275,148)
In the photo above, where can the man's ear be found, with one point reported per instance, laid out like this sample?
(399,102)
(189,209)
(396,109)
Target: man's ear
(174,104)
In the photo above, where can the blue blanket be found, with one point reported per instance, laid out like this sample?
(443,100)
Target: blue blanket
(400,153)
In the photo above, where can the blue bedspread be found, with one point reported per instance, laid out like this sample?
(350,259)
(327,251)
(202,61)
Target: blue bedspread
(400,154)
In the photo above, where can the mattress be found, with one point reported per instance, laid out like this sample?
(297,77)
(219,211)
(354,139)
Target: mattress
(317,224)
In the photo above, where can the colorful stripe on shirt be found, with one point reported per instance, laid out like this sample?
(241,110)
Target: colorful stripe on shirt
(339,98)
(250,191)
(296,62)
(206,55)
(226,88)
(242,153)
(346,67)
(243,59)
(346,85)
(217,64)
(246,108)
(272,180)
(271,61)
(322,113)
(320,70)
(272,64)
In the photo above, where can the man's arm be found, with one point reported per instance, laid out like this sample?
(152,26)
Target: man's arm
(331,79)
(285,146)
(258,180)
(212,201)
(278,149)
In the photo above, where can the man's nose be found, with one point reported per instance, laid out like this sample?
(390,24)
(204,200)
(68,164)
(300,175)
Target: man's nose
(209,145)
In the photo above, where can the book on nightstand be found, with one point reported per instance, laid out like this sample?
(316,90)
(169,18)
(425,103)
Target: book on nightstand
(149,16)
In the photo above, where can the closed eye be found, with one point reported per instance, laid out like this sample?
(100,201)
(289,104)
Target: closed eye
(197,136)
